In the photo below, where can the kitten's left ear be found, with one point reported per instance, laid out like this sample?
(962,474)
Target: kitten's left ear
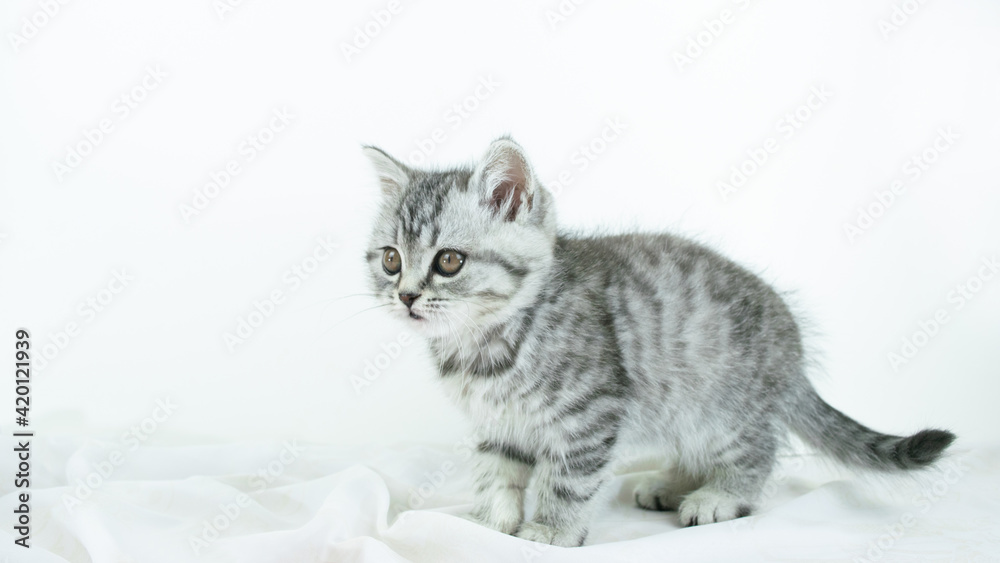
(505,179)
(393,175)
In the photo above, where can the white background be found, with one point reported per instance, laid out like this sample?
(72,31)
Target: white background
(687,125)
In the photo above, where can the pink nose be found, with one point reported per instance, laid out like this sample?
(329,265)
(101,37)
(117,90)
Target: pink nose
(408,298)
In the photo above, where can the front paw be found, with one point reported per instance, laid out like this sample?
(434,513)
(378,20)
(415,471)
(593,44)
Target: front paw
(706,506)
(505,523)
(657,492)
(536,532)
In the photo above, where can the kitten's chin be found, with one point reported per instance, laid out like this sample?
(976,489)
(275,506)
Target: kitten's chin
(436,325)
(429,328)
(419,321)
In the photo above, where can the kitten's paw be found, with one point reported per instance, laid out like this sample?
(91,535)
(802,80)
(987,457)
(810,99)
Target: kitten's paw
(536,532)
(508,524)
(657,492)
(706,506)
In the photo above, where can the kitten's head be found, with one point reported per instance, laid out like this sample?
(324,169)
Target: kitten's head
(460,249)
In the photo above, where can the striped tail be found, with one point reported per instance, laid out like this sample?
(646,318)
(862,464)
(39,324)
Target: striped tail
(850,442)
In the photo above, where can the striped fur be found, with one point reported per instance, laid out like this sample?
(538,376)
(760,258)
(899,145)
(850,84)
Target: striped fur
(568,350)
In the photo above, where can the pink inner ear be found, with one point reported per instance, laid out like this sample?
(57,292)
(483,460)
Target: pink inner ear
(514,188)
(509,190)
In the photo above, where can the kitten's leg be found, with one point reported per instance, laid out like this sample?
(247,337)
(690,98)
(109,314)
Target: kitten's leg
(567,489)
(502,473)
(733,486)
(664,490)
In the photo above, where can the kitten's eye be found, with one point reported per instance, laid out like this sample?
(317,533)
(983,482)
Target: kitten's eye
(449,262)
(391,262)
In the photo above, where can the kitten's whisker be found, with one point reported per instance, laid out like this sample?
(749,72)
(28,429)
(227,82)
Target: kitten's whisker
(473,336)
(342,321)
(325,331)
(466,357)
(326,302)
(485,310)
(462,350)
(469,302)
(477,327)
(474,327)
(489,349)
(453,333)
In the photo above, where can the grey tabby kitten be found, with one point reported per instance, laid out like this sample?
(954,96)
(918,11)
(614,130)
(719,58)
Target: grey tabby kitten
(566,351)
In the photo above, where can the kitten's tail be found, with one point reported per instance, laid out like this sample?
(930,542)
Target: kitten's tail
(850,442)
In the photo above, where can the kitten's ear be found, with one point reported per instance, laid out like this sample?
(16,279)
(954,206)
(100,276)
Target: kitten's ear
(393,175)
(505,179)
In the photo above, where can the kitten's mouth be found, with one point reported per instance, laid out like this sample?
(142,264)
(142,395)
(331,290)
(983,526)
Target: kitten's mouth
(415,316)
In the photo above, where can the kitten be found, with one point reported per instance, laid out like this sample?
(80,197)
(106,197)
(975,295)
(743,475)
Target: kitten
(567,350)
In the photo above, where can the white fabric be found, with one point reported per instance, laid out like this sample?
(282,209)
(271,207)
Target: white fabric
(346,505)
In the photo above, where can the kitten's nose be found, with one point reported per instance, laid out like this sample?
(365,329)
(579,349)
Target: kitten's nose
(408,298)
